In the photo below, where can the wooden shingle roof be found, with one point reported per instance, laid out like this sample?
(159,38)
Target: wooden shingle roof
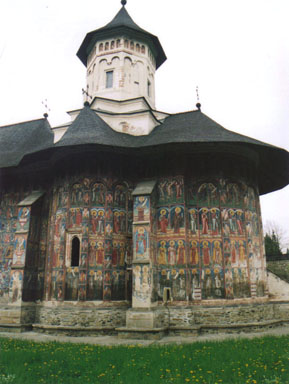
(189,132)
(122,23)
(18,140)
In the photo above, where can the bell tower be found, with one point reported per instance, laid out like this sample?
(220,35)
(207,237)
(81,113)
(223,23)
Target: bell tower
(121,59)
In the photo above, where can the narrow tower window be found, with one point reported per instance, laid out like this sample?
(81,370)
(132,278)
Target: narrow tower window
(117,43)
(100,47)
(109,79)
(149,88)
(75,250)
(106,47)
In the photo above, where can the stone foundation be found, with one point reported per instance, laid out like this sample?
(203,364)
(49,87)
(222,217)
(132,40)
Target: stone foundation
(82,315)
(79,319)
(226,314)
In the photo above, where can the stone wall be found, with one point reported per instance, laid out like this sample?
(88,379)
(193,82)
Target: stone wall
(225,317)
(81,315)
(92,318)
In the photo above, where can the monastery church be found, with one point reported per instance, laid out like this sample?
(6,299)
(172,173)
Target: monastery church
(129,220)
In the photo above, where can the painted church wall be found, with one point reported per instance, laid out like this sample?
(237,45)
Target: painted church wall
(204,240)
(33,279)
(8,225)
(209,240)
(99,213)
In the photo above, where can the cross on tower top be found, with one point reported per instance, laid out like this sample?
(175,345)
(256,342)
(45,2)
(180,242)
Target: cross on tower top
(45,104)
(123,2)
(87,95)
(198,105)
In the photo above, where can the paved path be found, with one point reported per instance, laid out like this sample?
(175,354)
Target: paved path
(114,340)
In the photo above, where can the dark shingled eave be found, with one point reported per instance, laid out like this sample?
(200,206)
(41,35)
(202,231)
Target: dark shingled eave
(89,128)
(122,24)
(18,140)
(186,127)
(193,130)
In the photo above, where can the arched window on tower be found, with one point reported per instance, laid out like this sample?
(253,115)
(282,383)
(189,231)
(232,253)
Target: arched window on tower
(75,252)
(118,43)
(100,47)
(137,48)
(126,43)
(132,45)
(143,49)
(112,44)
(106,47)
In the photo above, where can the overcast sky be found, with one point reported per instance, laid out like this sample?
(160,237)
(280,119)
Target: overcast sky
(236,51)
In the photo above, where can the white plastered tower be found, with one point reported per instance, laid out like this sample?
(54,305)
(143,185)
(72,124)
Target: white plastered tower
(120,68)
(121,60)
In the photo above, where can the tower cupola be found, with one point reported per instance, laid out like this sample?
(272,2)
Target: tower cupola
(121,59)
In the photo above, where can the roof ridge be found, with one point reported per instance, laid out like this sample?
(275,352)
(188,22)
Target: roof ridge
(22,122)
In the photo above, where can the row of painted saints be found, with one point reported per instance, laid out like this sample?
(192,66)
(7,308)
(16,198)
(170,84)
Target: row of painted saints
(209,283)
(207,221)
(218,193)
(87,193)
(96,221)
(201,222)
(206,253)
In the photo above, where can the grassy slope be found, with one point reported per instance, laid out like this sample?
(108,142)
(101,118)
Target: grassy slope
(279,268)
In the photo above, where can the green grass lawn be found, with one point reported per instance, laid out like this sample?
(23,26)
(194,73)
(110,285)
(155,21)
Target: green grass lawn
(260,360)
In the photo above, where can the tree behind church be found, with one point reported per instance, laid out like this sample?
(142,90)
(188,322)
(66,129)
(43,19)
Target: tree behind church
(272,245)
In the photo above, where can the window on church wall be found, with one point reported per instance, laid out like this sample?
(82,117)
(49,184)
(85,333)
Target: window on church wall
(126,43)
(149,88)
(100,47)
(109,79)
(137,48)
(143,50)
(132,45)
(118,43)
(112,44)
(75,252)
(106,47)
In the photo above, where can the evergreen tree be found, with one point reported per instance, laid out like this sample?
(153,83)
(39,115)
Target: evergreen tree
(272,245)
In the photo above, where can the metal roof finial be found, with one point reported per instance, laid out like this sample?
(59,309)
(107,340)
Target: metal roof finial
(123,2)
(198,105)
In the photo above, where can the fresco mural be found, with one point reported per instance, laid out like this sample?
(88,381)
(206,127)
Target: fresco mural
(221,221)
(16,282)
(8,225)
(102,212)
(141,208)
(19,250)
(141,242)
(23,219)
(204,238)
(141,284)
(171,191)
